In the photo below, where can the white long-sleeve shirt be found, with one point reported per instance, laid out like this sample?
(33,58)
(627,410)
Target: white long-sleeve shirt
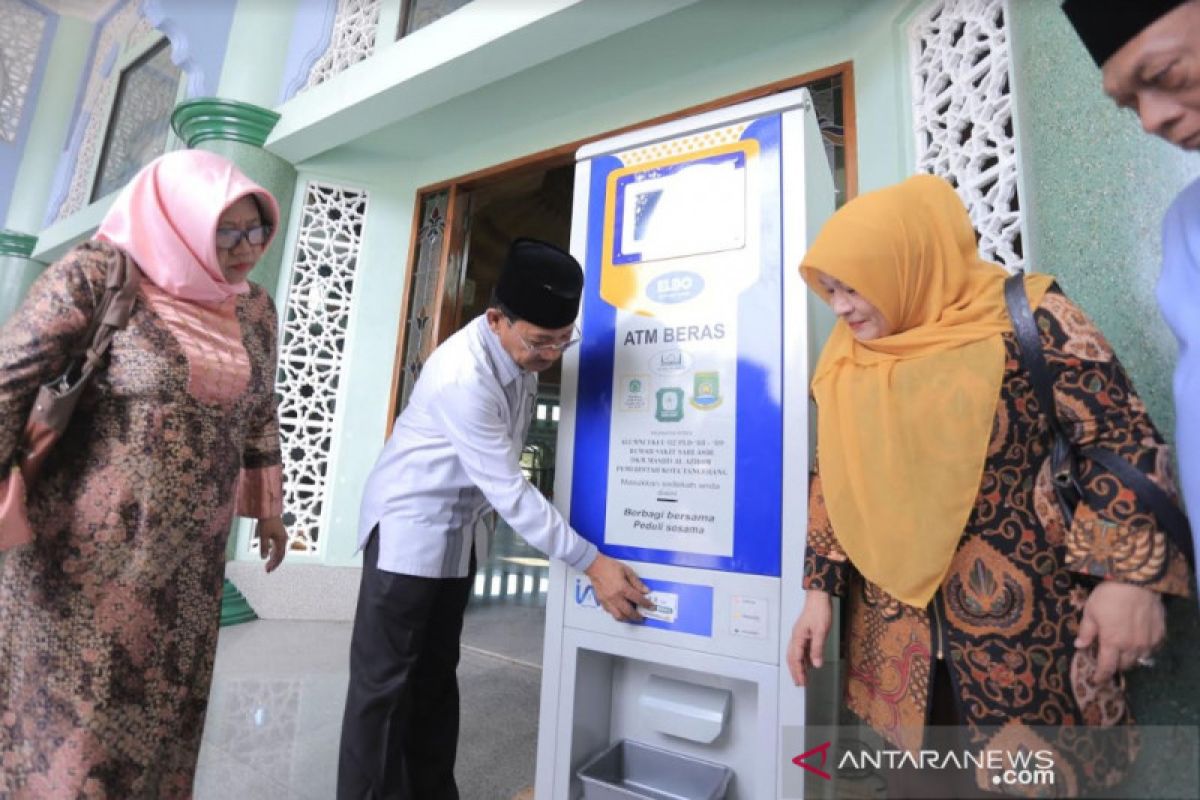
(453,455)
(1179,298)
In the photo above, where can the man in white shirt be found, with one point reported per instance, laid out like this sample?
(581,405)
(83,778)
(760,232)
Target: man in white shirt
(452,458)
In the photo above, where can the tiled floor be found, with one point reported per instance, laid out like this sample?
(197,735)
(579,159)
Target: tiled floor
(275,711)
(274,714)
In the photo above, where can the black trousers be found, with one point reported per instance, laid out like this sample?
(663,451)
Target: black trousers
(400,727)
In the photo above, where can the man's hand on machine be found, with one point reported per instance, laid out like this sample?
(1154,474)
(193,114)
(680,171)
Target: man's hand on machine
(618,589)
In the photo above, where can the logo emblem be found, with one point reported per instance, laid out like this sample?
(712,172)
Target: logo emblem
(634,394)
(585,594)
(706,390)
(670,362)
(675,287)
(669,404)
(823,751)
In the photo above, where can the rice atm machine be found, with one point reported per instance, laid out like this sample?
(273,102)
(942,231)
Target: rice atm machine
(684,450)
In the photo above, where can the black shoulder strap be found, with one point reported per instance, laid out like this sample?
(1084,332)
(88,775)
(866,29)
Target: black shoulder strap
(1029,341)
(1169,515)
(1172,519)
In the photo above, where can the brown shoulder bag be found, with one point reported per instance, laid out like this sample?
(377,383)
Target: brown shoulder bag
(56,400)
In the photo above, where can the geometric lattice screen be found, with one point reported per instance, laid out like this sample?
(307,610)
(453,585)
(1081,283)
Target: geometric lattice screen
(963,116)
(22,30)
(355,24)
(311,350)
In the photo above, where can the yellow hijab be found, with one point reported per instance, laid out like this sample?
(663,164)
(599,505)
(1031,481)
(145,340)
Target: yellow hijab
(905,420)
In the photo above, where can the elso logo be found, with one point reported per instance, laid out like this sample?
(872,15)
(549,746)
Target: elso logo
(585,594)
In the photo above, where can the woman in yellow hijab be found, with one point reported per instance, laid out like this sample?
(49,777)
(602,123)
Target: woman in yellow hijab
(966,599)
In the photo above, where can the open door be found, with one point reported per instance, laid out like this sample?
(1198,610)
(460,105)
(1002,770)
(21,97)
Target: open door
(432,299)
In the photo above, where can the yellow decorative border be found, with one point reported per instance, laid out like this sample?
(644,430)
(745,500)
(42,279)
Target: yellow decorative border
(618,286)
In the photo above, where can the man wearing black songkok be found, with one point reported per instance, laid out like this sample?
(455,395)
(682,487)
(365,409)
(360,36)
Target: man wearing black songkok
(453,456)
(1148,52)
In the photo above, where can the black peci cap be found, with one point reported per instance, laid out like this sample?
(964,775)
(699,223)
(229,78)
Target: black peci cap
(540,284)
(1105,26)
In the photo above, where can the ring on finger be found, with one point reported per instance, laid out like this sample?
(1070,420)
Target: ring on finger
(1146,661)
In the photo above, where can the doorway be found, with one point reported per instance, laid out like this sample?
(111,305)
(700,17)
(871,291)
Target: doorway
(534,203)
(463,235)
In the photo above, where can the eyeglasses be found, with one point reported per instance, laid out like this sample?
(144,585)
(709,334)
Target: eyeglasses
(229,238)
(548,349)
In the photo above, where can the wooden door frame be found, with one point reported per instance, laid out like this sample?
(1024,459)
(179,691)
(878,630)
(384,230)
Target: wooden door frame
(564,154)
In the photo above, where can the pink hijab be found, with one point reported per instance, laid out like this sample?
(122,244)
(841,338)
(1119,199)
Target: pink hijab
(166,219)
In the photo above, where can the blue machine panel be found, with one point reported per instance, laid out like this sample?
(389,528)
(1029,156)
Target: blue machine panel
(622,196)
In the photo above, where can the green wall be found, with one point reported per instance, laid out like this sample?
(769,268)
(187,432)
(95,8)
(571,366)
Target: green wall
(257,51)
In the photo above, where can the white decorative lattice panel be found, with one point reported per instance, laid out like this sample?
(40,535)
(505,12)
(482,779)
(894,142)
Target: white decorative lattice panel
(21,32)
(963,118)
(124,26)
(311,350)
(353,39)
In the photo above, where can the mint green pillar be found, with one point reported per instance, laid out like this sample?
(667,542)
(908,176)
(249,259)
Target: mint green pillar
(17,270)
(237,131)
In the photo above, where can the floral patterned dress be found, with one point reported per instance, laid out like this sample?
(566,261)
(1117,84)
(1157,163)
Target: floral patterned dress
(108,620)
(1008,611)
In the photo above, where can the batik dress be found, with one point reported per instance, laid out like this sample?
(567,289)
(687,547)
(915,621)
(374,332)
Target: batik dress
(108,620)
(1008,611)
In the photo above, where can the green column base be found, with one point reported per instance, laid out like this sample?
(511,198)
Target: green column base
(15,243)
(17,270)
(234,608)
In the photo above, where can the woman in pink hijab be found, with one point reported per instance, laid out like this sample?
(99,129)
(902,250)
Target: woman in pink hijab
(108,618)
